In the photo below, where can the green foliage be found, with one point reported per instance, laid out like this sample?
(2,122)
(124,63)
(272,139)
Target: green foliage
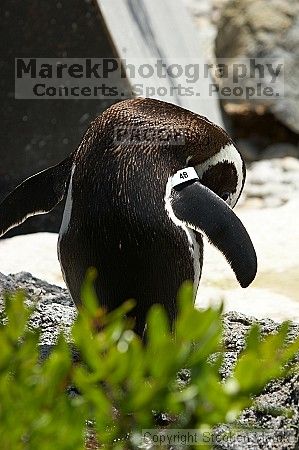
(121,379)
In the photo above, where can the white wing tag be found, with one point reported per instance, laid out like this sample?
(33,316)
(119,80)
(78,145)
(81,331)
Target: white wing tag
(187,174)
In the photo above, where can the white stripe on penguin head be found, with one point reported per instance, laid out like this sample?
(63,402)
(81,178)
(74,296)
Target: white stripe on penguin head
(229,154)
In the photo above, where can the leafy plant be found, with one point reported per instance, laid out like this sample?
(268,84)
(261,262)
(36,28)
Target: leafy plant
(122,380)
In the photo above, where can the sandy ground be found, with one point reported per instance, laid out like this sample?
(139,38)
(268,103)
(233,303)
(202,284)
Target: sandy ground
(274,293)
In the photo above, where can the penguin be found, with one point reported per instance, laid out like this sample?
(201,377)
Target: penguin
(147,182)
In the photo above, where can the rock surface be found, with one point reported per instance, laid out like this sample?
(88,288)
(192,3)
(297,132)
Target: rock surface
(271,183)
(261,128)
(266,29)
(280,432)
(54,309)
(55,312)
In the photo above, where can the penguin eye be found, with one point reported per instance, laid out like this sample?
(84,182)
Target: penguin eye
(225,196)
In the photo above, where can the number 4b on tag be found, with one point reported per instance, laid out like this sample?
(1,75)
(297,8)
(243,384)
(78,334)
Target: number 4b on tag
(187,174)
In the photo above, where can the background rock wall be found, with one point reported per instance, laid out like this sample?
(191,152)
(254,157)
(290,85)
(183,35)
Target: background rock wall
(241,29)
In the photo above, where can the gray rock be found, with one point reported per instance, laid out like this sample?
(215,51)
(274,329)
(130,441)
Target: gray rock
(55,311)
(264,29)
(274,431)
(271,182)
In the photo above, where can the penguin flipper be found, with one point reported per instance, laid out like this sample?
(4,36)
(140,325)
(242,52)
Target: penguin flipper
(38,194)
(201,209)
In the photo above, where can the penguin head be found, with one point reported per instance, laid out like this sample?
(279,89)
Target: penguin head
(212,181)
(214,156)
(224,173)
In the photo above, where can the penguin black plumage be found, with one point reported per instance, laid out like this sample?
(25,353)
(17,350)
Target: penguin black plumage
(147,181)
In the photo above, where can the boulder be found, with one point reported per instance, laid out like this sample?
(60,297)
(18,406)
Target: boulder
(264,29)
(54,308)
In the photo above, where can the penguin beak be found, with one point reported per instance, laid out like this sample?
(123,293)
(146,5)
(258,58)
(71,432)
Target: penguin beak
(201,209)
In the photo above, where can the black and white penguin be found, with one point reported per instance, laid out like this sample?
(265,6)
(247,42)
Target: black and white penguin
(148,180)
